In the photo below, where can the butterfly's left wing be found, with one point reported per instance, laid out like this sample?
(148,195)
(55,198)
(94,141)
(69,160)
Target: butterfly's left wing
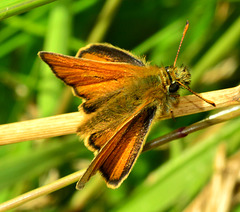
(117,157)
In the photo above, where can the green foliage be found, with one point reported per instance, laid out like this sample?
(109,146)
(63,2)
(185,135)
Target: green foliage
(160,180)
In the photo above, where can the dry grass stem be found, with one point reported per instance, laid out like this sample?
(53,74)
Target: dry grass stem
(68,123)
(39,128)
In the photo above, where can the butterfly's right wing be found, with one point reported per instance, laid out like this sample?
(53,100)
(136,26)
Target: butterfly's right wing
(117,157)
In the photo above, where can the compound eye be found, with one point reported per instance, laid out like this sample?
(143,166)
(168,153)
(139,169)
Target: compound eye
(173,87)
(167,68)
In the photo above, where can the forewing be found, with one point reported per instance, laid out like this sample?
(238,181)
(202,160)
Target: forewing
(116,159)
(93,80)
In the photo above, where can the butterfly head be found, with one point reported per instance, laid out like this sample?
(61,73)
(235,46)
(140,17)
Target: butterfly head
(177,77)
(180,77)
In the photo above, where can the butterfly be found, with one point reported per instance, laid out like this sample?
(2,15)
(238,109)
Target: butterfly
(123,95)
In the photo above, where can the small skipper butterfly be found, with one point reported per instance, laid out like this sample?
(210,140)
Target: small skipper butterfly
(123,96)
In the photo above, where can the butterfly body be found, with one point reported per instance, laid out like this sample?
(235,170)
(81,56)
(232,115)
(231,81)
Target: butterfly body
(122,95)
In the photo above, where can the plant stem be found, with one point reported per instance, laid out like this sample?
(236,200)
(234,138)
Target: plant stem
(68,123)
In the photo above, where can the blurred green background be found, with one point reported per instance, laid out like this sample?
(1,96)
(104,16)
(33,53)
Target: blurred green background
(165,179)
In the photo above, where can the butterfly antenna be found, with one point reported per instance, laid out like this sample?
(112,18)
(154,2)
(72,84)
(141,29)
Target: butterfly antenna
(184,33)
(186,87)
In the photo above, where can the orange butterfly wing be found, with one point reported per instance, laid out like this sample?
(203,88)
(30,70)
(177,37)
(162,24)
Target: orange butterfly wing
(96,74)
(117,157)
